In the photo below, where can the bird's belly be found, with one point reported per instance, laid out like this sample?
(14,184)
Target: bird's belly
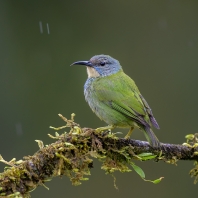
(104,111)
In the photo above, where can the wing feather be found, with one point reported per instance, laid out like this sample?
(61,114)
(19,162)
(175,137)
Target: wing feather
(124,97)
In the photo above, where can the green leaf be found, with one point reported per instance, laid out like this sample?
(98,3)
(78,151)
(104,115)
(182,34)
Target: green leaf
(158,180)
(138,170)
(155,181)
(149,157)
(146,156)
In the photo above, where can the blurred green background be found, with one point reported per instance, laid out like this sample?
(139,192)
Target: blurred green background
(156,42)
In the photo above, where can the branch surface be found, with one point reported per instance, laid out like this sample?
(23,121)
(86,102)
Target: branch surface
(72,155)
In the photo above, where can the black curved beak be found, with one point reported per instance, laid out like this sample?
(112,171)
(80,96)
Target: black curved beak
(86,63)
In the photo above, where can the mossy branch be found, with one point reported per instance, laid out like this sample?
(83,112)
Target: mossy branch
(72,155)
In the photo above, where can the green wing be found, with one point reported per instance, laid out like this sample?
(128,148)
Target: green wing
(121,93)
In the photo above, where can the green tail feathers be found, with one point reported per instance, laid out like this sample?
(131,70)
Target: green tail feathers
(151,137)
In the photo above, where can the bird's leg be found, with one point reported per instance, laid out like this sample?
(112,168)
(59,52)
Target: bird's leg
(99,130)
(129,133)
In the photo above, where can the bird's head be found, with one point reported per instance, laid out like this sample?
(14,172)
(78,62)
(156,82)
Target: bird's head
(100,65)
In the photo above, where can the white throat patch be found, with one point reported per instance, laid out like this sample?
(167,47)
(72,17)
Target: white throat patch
(92,73)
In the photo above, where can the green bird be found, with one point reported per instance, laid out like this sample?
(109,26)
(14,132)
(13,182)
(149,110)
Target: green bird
(114,98)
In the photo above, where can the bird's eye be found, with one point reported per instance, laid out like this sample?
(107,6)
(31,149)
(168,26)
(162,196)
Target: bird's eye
(102,63)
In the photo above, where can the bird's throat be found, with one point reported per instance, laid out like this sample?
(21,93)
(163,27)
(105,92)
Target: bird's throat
(92,73)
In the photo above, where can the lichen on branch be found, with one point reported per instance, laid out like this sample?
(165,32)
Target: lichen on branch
(72,155)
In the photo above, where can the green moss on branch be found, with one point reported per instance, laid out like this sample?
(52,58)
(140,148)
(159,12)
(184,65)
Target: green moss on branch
(72,155)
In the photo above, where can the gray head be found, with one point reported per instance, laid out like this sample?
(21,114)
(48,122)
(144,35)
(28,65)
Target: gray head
(100,65)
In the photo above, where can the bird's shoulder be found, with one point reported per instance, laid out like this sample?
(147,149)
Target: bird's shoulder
(118,81)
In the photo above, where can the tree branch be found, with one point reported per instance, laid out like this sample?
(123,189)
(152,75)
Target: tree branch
(72,155)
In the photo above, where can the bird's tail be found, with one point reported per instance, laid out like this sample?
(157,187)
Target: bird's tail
(151,137)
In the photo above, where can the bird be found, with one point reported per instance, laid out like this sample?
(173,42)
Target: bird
(114,97)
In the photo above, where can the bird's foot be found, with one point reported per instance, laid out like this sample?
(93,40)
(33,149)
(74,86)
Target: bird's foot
(128,135)
(99,130)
